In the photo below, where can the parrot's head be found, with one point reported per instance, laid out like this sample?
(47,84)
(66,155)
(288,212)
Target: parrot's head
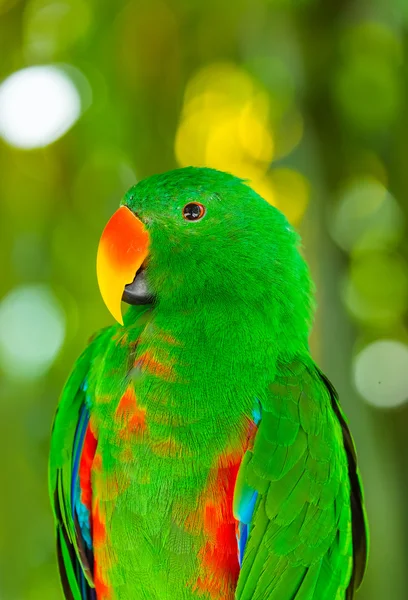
(199,237)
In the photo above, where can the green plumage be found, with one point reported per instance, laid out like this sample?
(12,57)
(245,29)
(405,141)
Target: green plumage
(171,399)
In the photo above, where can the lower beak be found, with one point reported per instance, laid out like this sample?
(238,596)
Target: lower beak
(138,291)
(123,248)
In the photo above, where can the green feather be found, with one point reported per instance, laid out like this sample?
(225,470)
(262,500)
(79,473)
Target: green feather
(307,501)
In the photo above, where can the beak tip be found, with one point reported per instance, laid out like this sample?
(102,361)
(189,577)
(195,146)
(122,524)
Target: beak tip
(117,314)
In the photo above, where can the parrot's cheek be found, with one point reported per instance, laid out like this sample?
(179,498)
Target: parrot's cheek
(138,292)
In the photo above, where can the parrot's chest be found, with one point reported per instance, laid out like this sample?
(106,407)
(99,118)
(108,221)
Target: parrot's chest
(164,506)
(169,449)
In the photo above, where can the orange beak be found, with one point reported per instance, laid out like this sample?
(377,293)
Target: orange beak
(122,249)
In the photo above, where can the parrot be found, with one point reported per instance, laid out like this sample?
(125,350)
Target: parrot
(198,451)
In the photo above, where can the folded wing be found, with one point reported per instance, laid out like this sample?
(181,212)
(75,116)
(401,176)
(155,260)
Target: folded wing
(299,497)
(73,446)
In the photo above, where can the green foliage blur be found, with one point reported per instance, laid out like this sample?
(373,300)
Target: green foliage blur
(307,99)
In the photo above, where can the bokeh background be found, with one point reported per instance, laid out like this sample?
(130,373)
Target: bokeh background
(308,100)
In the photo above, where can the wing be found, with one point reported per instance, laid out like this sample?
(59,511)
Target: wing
(299,497)
(72,449)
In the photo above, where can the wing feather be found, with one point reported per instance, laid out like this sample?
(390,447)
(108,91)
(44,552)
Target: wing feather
(307,535)
(69,454)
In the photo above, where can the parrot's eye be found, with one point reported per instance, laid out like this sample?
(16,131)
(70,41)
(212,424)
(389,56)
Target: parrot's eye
(193,211)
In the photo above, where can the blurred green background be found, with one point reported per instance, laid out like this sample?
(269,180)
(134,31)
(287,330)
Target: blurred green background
(307,99)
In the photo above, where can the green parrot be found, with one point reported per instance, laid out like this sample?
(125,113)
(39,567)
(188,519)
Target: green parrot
(198,452)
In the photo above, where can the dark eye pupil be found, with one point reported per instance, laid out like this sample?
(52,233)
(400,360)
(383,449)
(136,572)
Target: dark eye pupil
(192,211)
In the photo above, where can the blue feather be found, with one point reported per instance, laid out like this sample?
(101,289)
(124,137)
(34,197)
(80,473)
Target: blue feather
(247,501)
(78,509)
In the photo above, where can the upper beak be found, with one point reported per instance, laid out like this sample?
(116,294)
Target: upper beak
(122,249)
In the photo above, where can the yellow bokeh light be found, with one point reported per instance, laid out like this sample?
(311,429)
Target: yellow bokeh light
(223,81)
(190,140)
(224,124)
(223,150)
(263,185)
(292,192)
(254,136)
